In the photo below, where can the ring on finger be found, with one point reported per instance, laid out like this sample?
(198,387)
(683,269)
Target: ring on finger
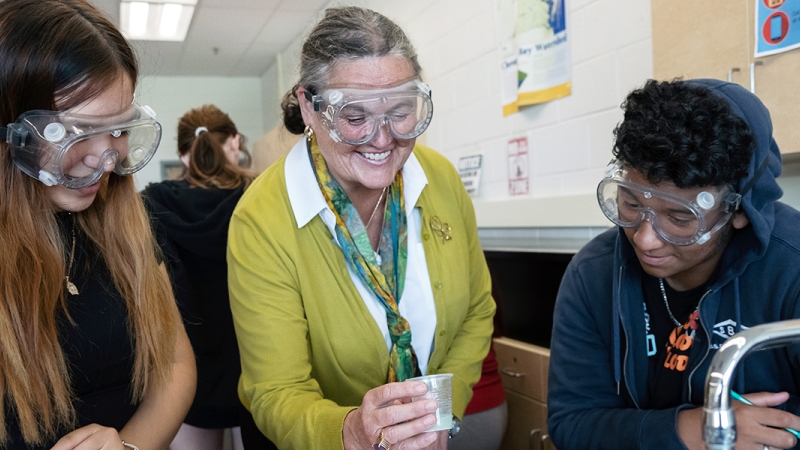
(383,444)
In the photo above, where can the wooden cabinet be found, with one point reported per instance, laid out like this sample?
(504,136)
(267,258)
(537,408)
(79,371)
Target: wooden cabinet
(707,39)
(523,368)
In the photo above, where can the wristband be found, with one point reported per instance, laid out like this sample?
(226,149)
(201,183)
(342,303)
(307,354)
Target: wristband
(127,445)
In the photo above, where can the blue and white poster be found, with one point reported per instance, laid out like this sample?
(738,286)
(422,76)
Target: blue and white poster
(777,26)
(535,49)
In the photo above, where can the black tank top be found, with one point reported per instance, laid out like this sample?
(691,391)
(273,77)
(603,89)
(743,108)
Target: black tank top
(97,345)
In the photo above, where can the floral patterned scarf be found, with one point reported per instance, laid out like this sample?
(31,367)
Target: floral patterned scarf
(384,274)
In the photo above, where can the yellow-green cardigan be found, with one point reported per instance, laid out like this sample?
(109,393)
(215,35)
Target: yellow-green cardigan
(309,346)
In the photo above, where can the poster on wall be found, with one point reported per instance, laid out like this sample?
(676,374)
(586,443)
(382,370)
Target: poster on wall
(518,178)
(777,26)
(536,64)
(469,168)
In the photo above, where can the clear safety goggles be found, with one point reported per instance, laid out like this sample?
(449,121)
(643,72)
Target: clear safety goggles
(675,219)
(355,116)
(74,150)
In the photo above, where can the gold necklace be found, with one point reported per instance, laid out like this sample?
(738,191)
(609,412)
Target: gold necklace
(376,207)
(71,288)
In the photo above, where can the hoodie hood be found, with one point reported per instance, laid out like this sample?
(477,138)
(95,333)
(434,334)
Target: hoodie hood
(761,192)
(194,219)
(765,165)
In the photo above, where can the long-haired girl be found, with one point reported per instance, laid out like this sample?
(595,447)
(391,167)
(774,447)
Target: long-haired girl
(92,351)
(192,215)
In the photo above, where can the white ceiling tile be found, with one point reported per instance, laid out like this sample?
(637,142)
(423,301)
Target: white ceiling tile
(247,34)
(309,6)
(255,5)
(201,64)
(284,27)
(158,57)
(219,25)
(207,55)
(255,65)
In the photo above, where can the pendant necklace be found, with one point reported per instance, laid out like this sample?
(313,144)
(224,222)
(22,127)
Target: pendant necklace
(71,288)
(666,303)
(372,216)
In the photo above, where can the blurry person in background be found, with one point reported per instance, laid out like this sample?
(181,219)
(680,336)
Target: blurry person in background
(191,218)
(354,261)
(92,351)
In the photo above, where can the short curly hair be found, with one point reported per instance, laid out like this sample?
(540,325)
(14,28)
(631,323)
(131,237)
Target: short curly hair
(682,132)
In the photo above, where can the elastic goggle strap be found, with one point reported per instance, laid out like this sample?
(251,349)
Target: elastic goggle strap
(756,176)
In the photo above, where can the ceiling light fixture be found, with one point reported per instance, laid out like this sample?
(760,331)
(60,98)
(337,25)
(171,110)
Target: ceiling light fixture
(156,20)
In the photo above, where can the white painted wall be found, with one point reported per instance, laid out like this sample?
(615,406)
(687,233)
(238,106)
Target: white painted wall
(570,138)
(791,190)
(281,77)
(272,95)
(171,97)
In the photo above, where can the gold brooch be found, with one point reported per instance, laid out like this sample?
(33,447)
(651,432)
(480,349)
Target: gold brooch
(441,228)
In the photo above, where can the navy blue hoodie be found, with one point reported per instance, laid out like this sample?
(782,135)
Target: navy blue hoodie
(597,388)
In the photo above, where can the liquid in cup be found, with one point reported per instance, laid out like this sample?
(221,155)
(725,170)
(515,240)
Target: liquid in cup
(440,388)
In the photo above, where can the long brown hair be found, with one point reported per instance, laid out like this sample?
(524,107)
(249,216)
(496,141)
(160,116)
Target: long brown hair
(208,164)
(55,55)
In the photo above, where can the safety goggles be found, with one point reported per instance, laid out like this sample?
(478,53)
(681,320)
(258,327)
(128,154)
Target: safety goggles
(677,220)
(74,150)
(355,116)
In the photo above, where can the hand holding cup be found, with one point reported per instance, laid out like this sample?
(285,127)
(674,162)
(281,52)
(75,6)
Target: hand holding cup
(388,416)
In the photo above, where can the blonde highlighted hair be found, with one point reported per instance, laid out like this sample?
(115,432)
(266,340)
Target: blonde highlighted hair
(65,52)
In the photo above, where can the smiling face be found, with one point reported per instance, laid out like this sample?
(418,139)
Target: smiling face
(372,165)
(684,267)
(116,98)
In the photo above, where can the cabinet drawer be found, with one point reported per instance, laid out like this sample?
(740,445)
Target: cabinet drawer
(524,416)
(523,367)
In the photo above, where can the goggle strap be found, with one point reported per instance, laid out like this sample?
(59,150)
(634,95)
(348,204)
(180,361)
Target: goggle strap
(425,88)
(756,176)
(315,100)
(16,136)
(4,132)
(149,111)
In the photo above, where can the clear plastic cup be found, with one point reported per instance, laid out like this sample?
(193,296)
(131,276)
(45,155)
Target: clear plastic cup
(440,388)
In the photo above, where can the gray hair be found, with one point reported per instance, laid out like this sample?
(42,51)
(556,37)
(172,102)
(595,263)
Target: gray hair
(344,34)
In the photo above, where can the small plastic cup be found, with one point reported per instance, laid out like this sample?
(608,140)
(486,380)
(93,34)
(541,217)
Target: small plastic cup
(440,388)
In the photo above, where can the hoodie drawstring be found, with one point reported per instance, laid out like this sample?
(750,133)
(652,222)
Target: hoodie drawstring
(616,317)
(738,310)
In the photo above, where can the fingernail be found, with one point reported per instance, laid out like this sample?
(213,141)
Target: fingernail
(431,406)
(421,388)
(429,421)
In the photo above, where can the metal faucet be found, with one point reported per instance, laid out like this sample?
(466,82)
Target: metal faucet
(719,423)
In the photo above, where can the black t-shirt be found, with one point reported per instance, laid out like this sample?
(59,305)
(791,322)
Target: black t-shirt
(668,345)
(97,346)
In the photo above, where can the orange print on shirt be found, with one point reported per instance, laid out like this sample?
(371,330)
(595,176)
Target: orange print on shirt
(680,342)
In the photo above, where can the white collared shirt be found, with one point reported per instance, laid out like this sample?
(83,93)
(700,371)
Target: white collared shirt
(416,303)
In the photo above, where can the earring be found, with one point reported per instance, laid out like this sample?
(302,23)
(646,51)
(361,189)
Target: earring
(309,132)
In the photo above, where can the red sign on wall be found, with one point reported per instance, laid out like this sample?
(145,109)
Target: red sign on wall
(518,168)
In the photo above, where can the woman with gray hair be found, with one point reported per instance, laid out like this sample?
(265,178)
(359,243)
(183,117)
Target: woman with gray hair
(348,244)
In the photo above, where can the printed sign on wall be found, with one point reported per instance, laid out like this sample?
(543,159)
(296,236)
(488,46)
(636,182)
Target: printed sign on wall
(518,179)
(469,167)
(777,26)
